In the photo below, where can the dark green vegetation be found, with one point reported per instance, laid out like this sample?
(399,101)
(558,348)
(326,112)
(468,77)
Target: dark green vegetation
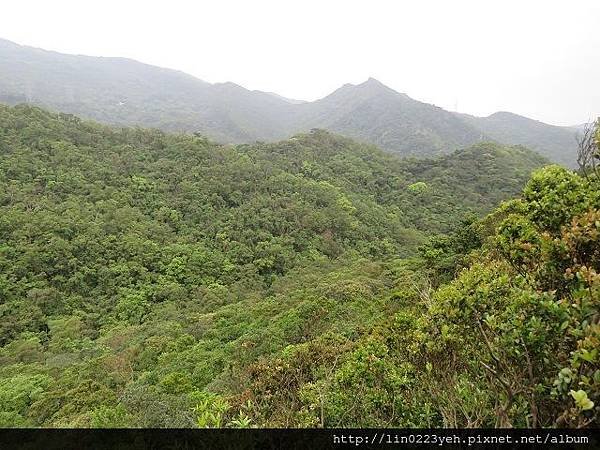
(150,279)
(126,92)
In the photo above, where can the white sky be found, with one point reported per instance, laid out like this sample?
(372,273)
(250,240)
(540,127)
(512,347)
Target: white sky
(540,58)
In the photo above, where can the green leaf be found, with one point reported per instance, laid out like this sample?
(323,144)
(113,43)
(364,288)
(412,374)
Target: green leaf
(581,400)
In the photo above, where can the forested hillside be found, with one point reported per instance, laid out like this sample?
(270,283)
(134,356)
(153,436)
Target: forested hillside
(497,325)
(126,92)
(556,143)
(372,112)
(151,279)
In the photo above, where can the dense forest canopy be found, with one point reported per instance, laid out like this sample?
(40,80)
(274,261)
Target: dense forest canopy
(150,279)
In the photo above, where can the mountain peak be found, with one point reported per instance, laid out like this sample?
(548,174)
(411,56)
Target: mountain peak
(374,86)
(368,110)
(372,82)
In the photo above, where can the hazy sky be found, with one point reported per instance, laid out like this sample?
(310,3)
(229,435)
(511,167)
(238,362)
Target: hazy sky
(536,58)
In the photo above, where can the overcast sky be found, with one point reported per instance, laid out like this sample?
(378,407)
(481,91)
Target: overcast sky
(540,59)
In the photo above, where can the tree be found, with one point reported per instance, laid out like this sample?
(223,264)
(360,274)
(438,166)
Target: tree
(588,148)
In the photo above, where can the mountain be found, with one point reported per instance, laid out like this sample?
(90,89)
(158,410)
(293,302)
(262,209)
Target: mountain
(557,143)
(143,274)
(126,92)
(372,112)
(285,99)
(123,91)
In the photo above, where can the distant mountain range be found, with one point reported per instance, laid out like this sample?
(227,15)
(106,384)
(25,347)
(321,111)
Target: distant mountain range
(126,92)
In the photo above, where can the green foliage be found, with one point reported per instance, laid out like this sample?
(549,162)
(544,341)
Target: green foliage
(210,409)
(521,325)
(418,188)
(17,393)
(511,341)
(110,417)
(581,400)
(157,280)
(555,195)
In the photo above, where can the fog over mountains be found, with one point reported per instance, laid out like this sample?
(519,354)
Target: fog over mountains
(126,92)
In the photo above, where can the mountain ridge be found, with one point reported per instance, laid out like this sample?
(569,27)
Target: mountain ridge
(123,91)
(550,140)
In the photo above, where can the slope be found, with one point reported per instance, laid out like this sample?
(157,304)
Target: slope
(372,112)
(142,272)
(556,143)
(123,91)
(126,92)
